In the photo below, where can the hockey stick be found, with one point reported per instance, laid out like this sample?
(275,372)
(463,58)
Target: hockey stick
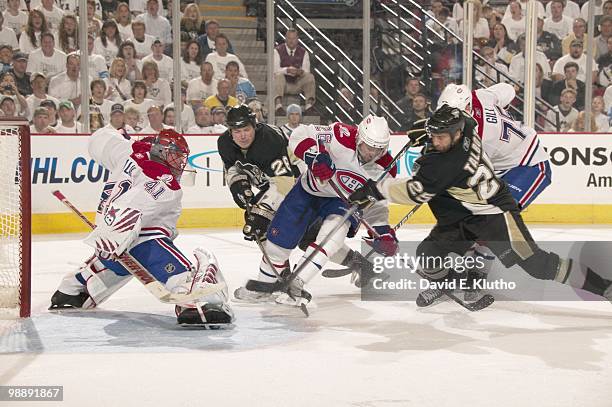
(142,274)
(481,303)
(335,273)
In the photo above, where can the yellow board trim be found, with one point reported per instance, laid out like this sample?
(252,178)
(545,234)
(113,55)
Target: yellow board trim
(234,217)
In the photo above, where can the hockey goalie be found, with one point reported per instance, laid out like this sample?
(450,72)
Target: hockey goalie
(136,216)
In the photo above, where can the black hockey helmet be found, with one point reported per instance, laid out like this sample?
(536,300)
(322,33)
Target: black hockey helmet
(446,119)
(240,116)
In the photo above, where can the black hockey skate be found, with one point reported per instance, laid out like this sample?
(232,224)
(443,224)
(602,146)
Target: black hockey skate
(61,301)
(428,297)
(214,316)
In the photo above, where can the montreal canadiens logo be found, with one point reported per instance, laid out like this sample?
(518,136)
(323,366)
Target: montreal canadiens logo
(349,181)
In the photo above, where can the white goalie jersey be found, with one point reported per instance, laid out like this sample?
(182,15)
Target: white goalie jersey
(507,142)
(340,141)
(136,184)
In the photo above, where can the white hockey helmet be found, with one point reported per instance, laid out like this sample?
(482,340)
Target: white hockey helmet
(374,132)
(458,96)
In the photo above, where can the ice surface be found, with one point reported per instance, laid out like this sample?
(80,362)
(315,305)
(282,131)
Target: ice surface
(348,353)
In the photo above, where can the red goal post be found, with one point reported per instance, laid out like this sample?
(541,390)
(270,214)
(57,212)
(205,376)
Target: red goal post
(15,218)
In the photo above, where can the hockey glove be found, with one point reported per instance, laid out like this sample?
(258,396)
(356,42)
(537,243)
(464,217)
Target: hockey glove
(256,222)
(320,165)
(366,196)
(241,191)
(417,133)
(385,243)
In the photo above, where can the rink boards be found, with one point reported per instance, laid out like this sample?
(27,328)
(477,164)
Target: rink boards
(581,191)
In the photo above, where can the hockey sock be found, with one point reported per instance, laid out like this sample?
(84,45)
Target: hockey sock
(279,257)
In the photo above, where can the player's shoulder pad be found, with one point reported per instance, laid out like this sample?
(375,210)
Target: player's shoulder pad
(271,134)
(156,171)
(384,161)
(346,135)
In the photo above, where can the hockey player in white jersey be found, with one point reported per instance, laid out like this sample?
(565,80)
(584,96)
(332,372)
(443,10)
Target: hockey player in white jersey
(137,214)
(345,157)
(514,149)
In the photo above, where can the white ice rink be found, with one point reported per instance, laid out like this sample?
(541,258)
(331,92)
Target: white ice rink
(129,352)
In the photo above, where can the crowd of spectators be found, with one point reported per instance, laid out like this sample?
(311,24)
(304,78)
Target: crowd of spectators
(130,72)
(499,37)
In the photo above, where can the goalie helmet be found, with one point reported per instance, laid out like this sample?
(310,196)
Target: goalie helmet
(374,131)
(458,96)
(446,119)
(240,116)
(171,149)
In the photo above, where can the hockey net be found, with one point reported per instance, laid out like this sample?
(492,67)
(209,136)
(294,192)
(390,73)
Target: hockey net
(15,214)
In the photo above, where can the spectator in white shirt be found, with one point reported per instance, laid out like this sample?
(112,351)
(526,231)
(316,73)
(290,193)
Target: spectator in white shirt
(7,35)
(141,103)
(584,10)
(156,25)
(127,52)
(41,122)
(39,88)
(118,120)
(139,6)
(133,118)
(203,122)
(107,44)
(571,9)
(169,116)
(47,59)
(93,23)
(515,23)
(119,87)
(557,23)
(67,124)
(517,64)
(142,41)
(156,121)
(8,108)
(52,13)
(187,116)
(218,115)
(566,111)
(97,63)
(220,58)
(67,85)
(30,38)
(123,17)
(98,102)
(14,18)
(164,63)
(158,89)
(540,8)
(67,34)
(201,88)
(191,62)
(576,55)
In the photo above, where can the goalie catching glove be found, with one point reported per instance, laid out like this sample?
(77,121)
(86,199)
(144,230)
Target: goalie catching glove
(256,222)
(385,243)
(112,237)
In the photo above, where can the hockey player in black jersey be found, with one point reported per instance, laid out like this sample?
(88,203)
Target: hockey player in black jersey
(470,203)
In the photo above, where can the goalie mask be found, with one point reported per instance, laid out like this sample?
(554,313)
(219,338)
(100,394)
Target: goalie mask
(170,149)
(373,137)
(458,96)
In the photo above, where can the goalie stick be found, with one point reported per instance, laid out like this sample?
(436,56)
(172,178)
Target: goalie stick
(142,274)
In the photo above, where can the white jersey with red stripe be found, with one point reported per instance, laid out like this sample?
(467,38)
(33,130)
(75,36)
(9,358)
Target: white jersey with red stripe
(507,142)
(136,182)
(340,141)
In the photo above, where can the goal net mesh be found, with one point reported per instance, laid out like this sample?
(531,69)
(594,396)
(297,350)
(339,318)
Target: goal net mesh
(11,219)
